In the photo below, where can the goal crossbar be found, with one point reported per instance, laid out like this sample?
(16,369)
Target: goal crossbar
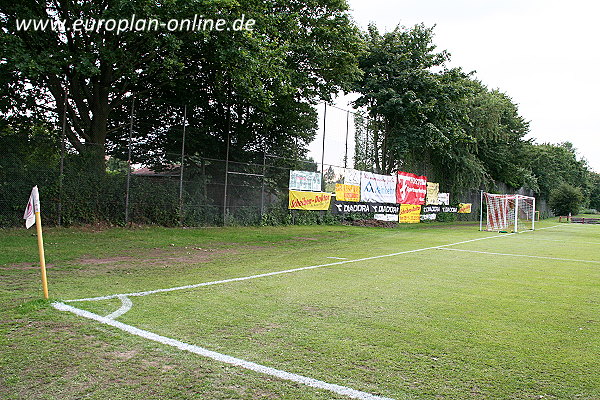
(507,212)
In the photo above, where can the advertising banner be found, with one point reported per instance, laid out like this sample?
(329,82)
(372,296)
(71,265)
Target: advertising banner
(438,209)
(444,199)
(431,209)
(352,177)
(432,193)
(428,217)
(410,214)
(347,192)
(464,208)
(386,217)
(304,180)
(309,200)
(334,175)
(411,188)
(377,188)
(350,207)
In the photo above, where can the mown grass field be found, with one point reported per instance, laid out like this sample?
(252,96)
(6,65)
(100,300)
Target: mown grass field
(476,320)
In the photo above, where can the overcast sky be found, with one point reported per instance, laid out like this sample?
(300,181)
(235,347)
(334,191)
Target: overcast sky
(543,54)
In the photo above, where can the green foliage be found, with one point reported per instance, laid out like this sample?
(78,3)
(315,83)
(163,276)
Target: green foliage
(431,120)
(595,190)
(565,199)
(255,86)
(555,164)
(446,217)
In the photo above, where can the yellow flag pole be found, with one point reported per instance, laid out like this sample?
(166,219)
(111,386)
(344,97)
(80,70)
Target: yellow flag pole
(40,240)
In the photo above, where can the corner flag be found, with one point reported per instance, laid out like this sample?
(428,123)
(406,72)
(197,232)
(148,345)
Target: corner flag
(33,206)
(32,216)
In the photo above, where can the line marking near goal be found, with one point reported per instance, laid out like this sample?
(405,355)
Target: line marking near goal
(522,255)
(287,271)
(342,390)
(562,241)
(338,258)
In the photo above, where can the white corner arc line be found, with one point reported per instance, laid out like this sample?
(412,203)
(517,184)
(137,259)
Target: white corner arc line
(523,255)
(146,293)
(126,305)
(342,390)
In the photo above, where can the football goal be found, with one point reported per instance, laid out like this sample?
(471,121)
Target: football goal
(507,212)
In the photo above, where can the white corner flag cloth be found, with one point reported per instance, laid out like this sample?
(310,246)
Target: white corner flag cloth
(33,206)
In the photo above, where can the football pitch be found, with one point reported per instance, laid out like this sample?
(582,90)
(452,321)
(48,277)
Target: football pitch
(323,312)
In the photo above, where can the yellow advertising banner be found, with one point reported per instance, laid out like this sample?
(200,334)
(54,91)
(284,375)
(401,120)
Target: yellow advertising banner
(347,192)
(409,214)
(464,208)
(309,200)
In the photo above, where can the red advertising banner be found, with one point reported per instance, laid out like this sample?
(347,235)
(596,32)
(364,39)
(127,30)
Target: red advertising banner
(411,189)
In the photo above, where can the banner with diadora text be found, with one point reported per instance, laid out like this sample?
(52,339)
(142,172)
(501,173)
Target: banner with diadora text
(377,188)
(347,192)
(411,188)
(351,207)
(309,200)
(410,214)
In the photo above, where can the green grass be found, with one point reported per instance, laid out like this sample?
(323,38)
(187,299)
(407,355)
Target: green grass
(436,324)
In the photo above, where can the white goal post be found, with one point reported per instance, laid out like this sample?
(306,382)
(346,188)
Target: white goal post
(507,212)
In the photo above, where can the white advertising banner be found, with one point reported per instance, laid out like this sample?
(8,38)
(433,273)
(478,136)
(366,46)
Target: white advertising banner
(444,199)
(377,188)
(352,177)
(304,180)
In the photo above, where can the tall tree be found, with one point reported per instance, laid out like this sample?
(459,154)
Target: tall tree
(298,52)
(428,119)
(555,164)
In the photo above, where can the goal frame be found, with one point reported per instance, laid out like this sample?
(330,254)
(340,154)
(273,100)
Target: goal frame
(512,203)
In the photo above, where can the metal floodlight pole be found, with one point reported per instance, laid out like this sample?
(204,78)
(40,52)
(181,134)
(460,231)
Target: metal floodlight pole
(181,167)
(323,152)
(129,160)
(347,130)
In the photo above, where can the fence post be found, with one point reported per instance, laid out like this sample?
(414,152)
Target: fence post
(226,166)
(262,189)
(61,176)
(181,167)
(129,161)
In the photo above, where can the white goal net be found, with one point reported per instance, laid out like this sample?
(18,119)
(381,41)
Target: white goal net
(508,212)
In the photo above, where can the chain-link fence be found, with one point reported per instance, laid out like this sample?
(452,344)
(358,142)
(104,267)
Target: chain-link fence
(206,192)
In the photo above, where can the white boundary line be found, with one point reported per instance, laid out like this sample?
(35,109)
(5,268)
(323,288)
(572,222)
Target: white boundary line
(342,390)
(523,255)
(561,241)
(146,293)
(126,305)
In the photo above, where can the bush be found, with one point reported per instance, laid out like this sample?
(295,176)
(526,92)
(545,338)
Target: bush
(565,199)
